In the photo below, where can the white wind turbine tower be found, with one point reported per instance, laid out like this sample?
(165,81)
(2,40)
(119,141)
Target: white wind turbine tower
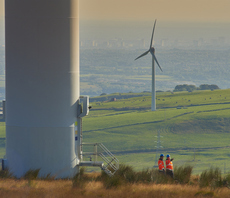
(154,59)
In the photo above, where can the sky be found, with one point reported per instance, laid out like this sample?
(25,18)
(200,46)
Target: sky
(164,10)
(141,13)
(176,19)
(1,8)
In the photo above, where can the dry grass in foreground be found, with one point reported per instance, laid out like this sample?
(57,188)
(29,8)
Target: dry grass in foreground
(125,183)
(11,188)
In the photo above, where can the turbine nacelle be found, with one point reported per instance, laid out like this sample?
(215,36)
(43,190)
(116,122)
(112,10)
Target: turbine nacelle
(152,49)
(152,52)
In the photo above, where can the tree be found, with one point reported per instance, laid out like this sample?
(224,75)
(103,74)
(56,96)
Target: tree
(208,87)
(185,87)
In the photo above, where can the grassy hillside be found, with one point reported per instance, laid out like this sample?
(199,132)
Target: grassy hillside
(195,128)
(199,120)
(165,100)
(2,139)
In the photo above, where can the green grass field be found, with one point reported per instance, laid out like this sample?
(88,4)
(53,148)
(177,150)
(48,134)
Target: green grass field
(199,120)
(195,128)
(2,139)
(168,99)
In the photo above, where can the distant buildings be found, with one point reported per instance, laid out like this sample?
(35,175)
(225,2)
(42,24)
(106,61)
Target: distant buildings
(179,43)
(116,43)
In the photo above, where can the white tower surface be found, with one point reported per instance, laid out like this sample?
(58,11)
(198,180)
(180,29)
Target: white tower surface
(42,86)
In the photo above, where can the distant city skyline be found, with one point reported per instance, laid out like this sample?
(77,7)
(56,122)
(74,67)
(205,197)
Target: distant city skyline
(130,34)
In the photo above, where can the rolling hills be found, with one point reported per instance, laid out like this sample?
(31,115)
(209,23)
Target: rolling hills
(195,128)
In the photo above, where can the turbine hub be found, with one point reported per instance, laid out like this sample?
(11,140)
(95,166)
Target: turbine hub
(152,49)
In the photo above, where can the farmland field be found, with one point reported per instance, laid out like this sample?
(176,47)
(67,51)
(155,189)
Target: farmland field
(195,128)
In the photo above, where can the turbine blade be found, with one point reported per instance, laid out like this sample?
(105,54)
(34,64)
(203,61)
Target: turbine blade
(151,43)
(156,61)
(142,55)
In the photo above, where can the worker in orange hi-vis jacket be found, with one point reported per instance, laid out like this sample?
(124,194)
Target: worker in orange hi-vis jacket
(169,166)
(161,164)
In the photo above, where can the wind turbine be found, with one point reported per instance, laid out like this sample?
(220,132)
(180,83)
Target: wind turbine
(154,59)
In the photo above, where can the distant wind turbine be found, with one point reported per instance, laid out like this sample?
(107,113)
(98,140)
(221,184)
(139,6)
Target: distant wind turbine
(154,59)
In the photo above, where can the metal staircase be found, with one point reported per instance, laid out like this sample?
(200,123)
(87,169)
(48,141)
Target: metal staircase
(99,156)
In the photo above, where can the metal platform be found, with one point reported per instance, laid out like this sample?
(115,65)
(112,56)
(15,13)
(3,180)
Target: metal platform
(99,156)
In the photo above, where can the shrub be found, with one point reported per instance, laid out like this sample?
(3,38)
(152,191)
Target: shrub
(109,182)
(144,176)
(160,178)
(112,182)
(183,173)
(80,179)
(5,174)
(32,174)
(211,177)
(48,177)
(226,180)
(185,87)
(207,87)
(127,173)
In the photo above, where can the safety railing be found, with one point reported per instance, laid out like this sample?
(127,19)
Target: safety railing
(97,152)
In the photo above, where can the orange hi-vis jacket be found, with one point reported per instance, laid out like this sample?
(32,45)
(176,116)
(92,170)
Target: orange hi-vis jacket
(161,165)
(169,164)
